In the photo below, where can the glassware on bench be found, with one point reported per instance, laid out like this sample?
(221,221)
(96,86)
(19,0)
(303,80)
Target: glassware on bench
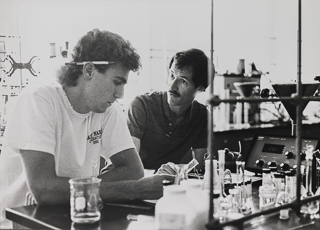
(93,197)
(283,197)
(84,194)
(225,200)
(317,193)
(311,207)
(267,191)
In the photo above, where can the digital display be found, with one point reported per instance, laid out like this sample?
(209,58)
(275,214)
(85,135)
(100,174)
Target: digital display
(272,148)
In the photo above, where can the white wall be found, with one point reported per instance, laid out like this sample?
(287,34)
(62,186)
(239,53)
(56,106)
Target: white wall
(260,31)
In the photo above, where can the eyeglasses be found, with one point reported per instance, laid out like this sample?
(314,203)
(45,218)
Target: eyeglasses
(93,62)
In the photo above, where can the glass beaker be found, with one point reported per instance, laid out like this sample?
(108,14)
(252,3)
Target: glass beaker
(84,200)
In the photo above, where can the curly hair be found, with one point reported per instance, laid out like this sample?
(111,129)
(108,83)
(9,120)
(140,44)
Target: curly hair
(196,59)
(99,45)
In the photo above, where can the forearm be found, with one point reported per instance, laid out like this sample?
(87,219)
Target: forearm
(121,173)
(146,188)
(53,192)
(127,165)
(125,191)
(46,187)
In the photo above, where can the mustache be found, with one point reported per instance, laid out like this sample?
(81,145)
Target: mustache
(175,93)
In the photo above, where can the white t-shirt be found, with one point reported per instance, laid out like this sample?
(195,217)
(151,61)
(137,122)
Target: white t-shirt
(44,120)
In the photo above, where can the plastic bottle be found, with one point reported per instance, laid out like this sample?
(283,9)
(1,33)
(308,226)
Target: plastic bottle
(173,210)
(199,200)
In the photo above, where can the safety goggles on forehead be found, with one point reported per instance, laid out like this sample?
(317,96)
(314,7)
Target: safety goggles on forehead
(93,62)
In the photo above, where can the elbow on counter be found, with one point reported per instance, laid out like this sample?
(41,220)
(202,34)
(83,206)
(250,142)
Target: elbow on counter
(45,197)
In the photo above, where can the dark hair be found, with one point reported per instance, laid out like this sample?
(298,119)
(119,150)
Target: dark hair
(99,45)
(196,59)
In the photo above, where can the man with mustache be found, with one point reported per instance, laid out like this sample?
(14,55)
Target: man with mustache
(166,126)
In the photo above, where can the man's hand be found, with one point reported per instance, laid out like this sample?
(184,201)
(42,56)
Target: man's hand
(155,184)
(168,168)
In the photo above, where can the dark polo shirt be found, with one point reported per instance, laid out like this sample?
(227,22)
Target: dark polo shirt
(148,119)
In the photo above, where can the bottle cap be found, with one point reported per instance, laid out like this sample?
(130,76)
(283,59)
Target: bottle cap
(279,175)
(289,173)
(273,169)
(266,170)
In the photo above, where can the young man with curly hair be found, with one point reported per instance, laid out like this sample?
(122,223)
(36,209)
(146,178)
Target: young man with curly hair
(59,132)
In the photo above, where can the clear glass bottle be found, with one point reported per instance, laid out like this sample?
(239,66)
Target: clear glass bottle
(266,176)
(317,193)
(267,191)
(216,178)
(235,199)
(294,182)
(273,170)
(312,207)
(227,177)
(279,180)
(221,154)
(290,186)
(243,192)
(302,179)
(283,197)
(225,200)
(248,197)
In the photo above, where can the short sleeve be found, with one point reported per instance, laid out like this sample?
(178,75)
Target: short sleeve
(115,134)
(31,125)
(202,126)
(136,118)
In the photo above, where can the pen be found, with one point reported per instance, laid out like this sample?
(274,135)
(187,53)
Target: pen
(93,62)
(193,154)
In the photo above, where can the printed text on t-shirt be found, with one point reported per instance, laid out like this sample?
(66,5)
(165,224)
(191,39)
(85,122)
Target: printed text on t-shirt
(95,136)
